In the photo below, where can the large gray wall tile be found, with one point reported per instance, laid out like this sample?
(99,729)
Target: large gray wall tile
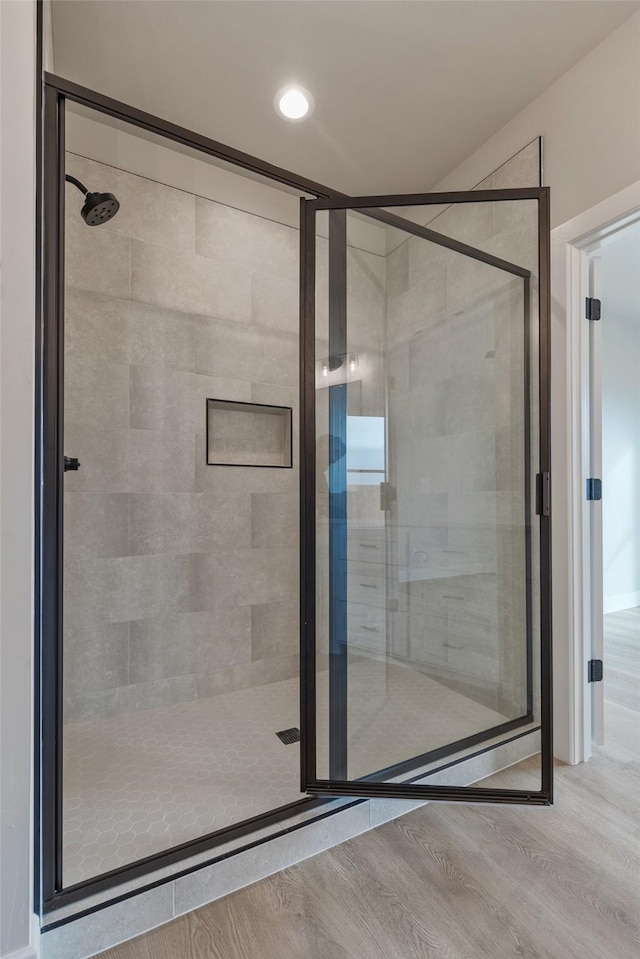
(168,691)
(160,399)
(365,300)
(165,399)
(96,658)
(115,330)
(275,302)
(135,587)
(246,577)
(471,461)
(521,170)
(189,283)
(429,356)
(274,519)
(104,458)
(254,243)
(189,643)
(158,337)
(96,393)
(190,522)
(226,679)
(95,525)
(95,327)
(243,352)
(160,461)
(139,697)
(471,403)
(97,260)
(471,223)
(275,630)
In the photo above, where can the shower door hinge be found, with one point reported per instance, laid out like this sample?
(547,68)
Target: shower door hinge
(388,495)
(593,308)
(594,488)
(594,671)
(543,494)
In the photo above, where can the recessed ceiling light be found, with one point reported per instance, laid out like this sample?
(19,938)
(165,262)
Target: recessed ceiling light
(293,103)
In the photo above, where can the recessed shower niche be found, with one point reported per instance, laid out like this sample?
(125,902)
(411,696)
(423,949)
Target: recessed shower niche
(248,434)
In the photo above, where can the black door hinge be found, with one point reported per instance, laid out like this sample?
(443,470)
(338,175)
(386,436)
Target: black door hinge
(543,494)
(593,308)
(71,463)
(594,671)
(594,488)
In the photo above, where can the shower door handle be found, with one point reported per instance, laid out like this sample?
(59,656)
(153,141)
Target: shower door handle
(71,463)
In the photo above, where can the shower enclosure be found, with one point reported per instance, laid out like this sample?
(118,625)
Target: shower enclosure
(294,514)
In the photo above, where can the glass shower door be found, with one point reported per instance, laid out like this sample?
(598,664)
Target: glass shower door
(426,579)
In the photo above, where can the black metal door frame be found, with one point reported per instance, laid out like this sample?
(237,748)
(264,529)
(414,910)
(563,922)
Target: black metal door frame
(373,786)
(50,892)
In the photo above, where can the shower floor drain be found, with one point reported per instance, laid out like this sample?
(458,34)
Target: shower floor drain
(288,736)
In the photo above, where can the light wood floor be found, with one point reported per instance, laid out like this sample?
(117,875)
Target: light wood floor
(447,882)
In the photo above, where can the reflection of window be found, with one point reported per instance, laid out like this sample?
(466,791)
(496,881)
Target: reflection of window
(365,450)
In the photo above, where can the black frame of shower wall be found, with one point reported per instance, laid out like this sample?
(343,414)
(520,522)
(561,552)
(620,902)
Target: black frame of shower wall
(50,893)
(378,784)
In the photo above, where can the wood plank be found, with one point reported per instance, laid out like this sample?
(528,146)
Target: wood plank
(457,882)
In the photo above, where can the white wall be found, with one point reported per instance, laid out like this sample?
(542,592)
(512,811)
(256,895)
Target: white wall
(590,123)
(17,316)
(621,463)
(621,419)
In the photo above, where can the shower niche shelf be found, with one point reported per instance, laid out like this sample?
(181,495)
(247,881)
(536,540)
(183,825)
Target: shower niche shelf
(248,434)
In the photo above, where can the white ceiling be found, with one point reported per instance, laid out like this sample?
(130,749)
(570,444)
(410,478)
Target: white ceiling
(404,91)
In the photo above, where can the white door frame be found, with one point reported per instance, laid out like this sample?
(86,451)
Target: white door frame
(571,466)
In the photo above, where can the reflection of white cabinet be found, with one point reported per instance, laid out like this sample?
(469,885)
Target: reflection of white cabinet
(449,611)
(366,626)
(366,589)
(366,583)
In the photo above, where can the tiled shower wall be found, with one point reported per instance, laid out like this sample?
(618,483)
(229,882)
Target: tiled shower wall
(455,339)
(181,579)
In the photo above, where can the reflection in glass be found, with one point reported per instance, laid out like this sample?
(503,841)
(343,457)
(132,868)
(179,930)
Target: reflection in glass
(425,628)
(180,635)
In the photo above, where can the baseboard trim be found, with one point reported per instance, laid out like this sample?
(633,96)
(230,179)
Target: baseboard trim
(620,602)
(28,952)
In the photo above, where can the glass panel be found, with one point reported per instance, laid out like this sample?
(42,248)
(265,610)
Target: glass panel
(428,603)
(180,636)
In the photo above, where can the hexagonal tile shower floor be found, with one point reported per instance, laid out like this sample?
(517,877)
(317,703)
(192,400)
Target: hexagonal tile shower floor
(140,783)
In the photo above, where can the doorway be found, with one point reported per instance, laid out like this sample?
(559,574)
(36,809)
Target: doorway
(615,458)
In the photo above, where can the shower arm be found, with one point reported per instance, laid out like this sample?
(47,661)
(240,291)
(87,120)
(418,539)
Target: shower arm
(81,186)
